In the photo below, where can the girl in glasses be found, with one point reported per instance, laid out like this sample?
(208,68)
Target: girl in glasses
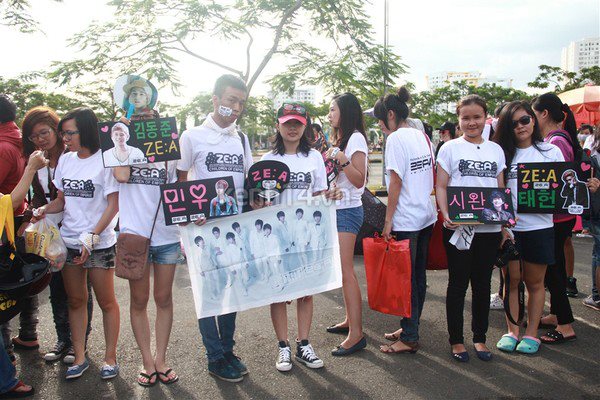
(40,132)
(519,135)
(88,195)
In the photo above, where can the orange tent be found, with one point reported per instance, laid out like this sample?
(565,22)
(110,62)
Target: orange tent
(585,104)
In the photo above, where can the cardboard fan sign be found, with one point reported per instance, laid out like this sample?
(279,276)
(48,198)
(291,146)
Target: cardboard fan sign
(135,95)
(188,201)
(330,168)
(553,188)
(476,205)
(267,179)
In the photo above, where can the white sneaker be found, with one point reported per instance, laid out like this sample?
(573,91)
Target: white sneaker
(284,359)
(306,355)
(496,302)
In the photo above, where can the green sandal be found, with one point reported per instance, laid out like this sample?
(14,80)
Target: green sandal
(528,345)
(507,343)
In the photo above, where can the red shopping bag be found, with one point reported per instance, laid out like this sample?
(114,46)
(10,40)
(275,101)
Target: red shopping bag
(436,255)
(388,270)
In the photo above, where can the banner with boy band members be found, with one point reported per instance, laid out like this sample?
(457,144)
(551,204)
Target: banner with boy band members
(265,256)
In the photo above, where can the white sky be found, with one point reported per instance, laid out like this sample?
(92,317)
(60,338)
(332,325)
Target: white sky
(503,38)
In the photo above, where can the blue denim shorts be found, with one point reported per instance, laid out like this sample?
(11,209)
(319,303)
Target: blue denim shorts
(165,254)
(103,258)
(350,219)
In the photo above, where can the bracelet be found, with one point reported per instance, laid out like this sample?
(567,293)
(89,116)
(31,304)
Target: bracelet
(344,165)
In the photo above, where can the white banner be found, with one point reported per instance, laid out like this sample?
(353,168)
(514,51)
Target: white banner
(274,254)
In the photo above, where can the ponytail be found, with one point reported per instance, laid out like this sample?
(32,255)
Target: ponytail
(393,102)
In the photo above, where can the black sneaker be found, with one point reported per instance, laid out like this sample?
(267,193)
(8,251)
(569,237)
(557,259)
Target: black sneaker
(306,355)
(235,362)
(57,351)
(572,287)
(224,371)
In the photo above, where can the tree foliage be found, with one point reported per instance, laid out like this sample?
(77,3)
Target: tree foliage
(559,80)
(15,13)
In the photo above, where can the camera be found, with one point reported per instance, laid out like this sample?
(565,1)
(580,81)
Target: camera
(507,253)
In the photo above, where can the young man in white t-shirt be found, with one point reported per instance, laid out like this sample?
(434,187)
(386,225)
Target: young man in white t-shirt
(217,149)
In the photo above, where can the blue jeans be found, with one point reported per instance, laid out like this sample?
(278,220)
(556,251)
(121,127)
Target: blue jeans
(419,246)
(7,371)
(60,309)
(217,340)
(594,227)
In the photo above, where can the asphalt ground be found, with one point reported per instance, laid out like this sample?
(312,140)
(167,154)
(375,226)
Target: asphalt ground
(567,371)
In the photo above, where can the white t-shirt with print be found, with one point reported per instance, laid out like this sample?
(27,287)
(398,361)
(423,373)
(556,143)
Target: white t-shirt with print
(85,184)
(138,201)
(409,154)
(206,154)
(473,165)
(352,194)
(547,153)
(307,175)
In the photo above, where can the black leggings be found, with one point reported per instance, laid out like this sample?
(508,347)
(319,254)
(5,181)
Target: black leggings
(475,266)
(556,275)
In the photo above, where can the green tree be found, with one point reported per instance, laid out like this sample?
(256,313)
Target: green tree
(562,80)
(149,36)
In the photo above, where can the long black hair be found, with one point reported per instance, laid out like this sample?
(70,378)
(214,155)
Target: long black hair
(559,112)
(505,133)
(351,119)
(395,102)
(306,141)
(87,125)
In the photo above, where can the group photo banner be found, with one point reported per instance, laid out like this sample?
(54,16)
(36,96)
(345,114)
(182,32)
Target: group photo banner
(553,188)
(477,205)
(140,142)
(274,254)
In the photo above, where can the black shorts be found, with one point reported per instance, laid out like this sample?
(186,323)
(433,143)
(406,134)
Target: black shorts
(536,246)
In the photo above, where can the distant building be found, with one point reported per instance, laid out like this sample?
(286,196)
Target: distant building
(307,94)
(583,53)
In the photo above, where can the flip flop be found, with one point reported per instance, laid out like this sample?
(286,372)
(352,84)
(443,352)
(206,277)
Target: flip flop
(166,375)
(556,337)
(15,394)
(528,345)
(392,337)
(149,377)
(388,349)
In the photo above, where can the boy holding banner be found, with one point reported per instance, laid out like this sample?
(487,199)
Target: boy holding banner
(217,149)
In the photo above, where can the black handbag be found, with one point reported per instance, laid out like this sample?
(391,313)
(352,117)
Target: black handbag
(21,274)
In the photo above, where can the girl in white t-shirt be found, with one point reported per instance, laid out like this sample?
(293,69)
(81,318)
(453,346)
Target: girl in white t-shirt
(292,146)
(88,195)
(519,135)
(474,162)
(351,152)
(139,198)
(410,213)
(40,132)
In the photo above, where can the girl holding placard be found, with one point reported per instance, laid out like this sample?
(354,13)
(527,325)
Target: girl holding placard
(474,162)
(88,195)
(519,136)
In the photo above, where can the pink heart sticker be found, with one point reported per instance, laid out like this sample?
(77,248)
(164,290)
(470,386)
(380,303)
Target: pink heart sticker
(104,129)
(506,206)
(151,158)
(525,185)
(174,135)
(555,185)
(585,166)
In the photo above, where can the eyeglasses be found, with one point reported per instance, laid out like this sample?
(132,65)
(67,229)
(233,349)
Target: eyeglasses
(69,133)
(41,135)
(524,120)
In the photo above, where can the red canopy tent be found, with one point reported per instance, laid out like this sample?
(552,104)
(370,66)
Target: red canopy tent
(585,104)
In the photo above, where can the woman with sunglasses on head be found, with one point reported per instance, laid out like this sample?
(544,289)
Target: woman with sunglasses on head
(40,132)
(469,161)
(519,136)
(351,152)
(410,213)
(557,125)
(292,146)
(88,195)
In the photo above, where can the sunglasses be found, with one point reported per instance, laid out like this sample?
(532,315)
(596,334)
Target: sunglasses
(69,133)
(524,120)
(293,108)
(42,135)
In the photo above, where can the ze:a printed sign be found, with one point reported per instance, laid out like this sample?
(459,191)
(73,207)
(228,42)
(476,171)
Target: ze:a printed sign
(553,188)
(477,205)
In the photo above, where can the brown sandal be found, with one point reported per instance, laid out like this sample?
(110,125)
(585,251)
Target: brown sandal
(389,349)
(392,337)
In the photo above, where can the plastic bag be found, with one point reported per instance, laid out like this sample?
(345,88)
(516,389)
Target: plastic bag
(43,238)
(388,270)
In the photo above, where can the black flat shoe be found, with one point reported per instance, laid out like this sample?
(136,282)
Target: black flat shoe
(340,351)
(338,329)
